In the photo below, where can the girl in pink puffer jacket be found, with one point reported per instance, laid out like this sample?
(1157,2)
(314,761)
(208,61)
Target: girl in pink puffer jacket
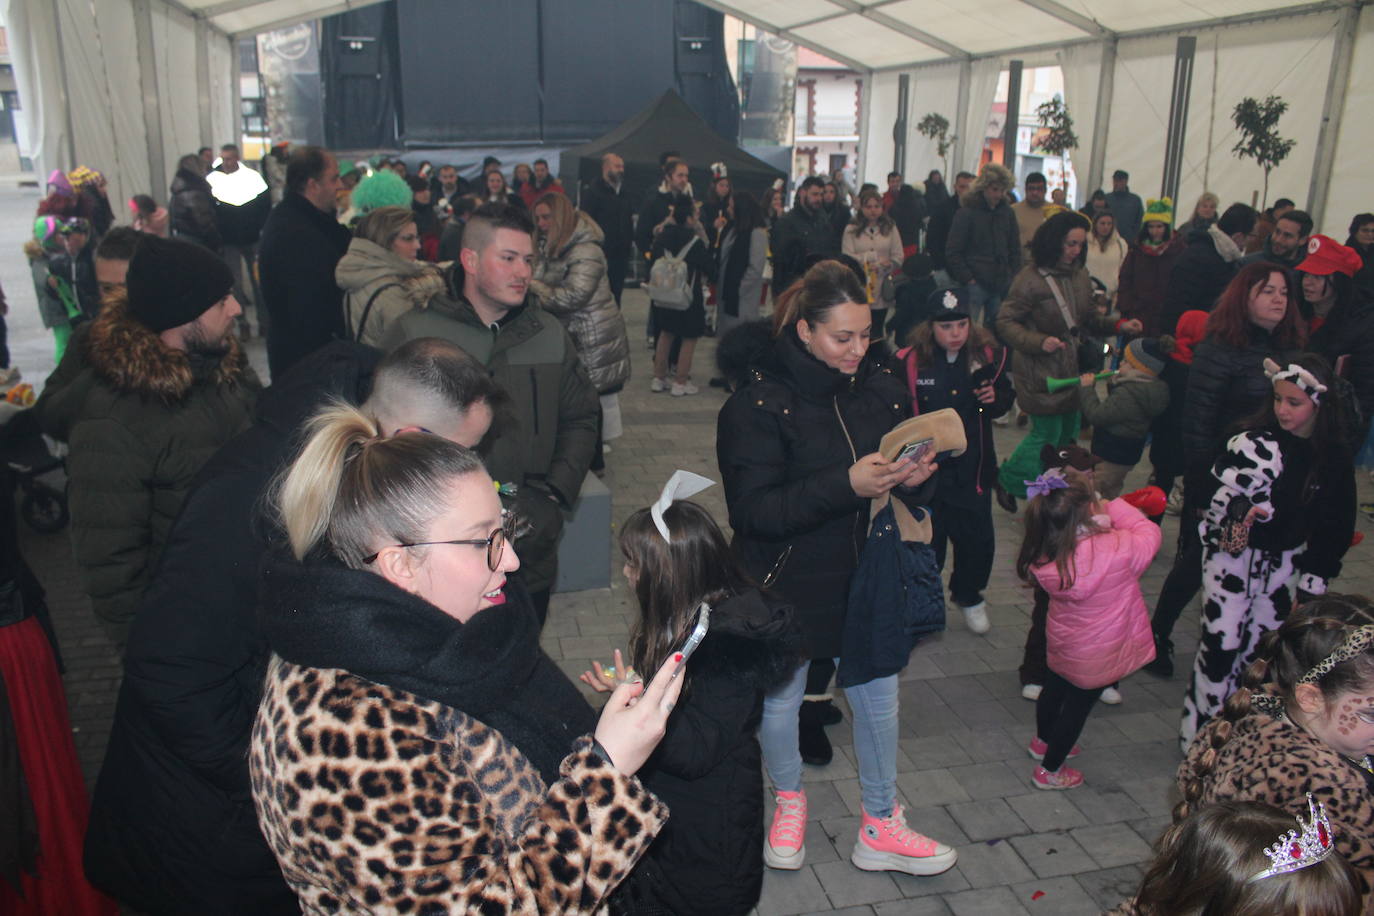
(1089,556)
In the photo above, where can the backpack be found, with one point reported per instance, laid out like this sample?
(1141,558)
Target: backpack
(669,285)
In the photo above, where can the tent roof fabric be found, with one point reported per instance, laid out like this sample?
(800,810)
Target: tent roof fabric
(896,34)
(670,123)
(249,17)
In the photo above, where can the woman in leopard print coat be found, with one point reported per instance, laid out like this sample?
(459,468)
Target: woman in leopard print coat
(1303,722)
(415,750)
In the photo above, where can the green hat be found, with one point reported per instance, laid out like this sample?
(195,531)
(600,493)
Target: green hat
(381,189)
(1159,211)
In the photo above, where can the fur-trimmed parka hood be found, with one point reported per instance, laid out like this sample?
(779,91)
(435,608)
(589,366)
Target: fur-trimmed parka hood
(132,359)
(754,638)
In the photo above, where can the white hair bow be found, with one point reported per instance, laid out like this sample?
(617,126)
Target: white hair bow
(681,485)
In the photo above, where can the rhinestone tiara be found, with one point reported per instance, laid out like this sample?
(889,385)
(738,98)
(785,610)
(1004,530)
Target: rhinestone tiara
(1298,849)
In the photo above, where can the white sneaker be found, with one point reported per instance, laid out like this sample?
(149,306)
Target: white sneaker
(657,384)
(1111,696)
(1031,692)
(976,616)
(684,388)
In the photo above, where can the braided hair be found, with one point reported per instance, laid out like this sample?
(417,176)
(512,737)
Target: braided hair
(1282,657)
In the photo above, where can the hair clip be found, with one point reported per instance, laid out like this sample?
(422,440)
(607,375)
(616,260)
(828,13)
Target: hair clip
(681,485)
(1053,479)
(1296,850)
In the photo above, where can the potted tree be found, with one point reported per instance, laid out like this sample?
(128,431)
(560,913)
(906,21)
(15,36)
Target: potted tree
(1053,115)
(936,127)
(1258,123)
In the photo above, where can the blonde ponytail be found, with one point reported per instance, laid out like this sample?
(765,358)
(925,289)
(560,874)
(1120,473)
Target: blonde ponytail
(354,490)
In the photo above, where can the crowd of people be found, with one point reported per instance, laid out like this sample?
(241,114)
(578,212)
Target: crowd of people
(327,593)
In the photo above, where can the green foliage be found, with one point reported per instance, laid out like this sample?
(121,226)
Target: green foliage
(936,127)
(1258,124)
(1054,115)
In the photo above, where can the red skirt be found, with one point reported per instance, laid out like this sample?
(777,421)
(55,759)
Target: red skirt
(38,705)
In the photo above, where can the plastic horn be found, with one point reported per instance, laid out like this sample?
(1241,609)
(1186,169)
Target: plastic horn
(1059,384)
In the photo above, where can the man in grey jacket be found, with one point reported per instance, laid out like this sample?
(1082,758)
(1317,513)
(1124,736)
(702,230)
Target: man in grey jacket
(1125,206)
(983,252)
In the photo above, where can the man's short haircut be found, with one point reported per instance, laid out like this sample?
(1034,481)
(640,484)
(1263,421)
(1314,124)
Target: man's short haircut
(607,157)
(448,165)
(894,174)
(486,219)
(670,166)
(1035,178)
(1302,218)
(203,150)
(543,162)
(969,175)
(811,181)
(230,148)
(1282,202)
(667,154)
(1239,219)
(306,163)
(119,244)
(465,205)
(417,183)
(426,381)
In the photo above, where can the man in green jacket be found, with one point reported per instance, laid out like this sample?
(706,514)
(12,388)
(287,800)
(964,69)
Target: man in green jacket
(163,386)
(541,444)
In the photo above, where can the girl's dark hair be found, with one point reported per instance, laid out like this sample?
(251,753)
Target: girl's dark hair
(1355,224)
(683,208)
(922,339)
(1052,524)
(1047,245)
(1310,634)
(810,299)
(1344,288)
(859,221)
(672,579)
(1144,235)
(145,204)
(1230,319)
(1331,445)
(1203,865)
(749,214)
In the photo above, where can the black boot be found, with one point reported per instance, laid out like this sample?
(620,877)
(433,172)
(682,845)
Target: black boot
(1004,499)
(1163,665)
(811,738)
(825,710)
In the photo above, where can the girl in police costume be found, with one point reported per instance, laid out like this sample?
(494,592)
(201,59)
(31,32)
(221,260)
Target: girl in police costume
(1284,507)
(953,363)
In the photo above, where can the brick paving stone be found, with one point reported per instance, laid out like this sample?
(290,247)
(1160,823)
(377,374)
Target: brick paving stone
(1101,806)
(1058,896)
(931,787)
(1109,886)
(1110,845)
(933,753)
(936,886)
(1045,811)
(789,892)
(991,780)
(844,884)
(995,901)
(985,745)
(992,863)
(988,819)
(1052,854)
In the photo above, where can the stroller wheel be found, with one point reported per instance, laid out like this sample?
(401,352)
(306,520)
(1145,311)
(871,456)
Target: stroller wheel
(44,508)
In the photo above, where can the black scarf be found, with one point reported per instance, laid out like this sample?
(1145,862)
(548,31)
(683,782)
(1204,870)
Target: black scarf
(320,614)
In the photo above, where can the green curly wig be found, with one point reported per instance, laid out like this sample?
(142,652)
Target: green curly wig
(381,189)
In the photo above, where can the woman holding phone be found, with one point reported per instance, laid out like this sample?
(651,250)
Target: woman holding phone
(798,452)
(415,750)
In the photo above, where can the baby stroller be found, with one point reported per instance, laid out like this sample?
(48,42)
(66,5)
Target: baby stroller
(26,458)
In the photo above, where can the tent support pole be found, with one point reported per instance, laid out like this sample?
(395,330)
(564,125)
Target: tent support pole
(1178,115)
(899,128)
(1332,108)
(1106,77)
(866,107)
(152,93)
(1013,123)
(66,86)
(961,119)
(236,89)
(207,130)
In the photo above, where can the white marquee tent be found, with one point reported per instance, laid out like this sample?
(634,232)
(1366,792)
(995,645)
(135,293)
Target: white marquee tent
(129,85)
(1117,58)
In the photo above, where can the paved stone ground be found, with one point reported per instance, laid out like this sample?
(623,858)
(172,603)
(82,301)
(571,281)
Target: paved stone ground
(963,773)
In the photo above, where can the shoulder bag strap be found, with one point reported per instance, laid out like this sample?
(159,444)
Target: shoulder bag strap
(367,310)
(1064,309)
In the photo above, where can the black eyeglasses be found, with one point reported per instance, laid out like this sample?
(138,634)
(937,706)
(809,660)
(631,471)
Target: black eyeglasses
(495,543)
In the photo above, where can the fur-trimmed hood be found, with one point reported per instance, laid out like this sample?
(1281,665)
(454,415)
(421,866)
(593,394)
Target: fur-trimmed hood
(753,638)
(132,359)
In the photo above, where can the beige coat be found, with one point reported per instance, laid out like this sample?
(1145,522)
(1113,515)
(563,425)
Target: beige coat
(400,285)
(870,247)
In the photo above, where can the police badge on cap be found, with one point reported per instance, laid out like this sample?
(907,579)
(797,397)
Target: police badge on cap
(948,304)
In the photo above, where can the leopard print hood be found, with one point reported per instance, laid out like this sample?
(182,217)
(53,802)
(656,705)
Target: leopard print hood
(132,359)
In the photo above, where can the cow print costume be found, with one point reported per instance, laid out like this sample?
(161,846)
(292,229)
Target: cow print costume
(1245,587)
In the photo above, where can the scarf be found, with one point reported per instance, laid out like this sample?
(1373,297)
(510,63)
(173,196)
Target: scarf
(320,614)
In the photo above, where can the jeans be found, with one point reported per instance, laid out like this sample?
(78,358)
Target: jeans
(875,738)
(987,300)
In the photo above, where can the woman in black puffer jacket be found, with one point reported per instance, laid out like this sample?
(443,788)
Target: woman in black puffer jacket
(1256,317)
(797,447)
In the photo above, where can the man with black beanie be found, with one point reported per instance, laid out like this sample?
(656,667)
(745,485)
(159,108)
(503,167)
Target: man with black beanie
(165,385)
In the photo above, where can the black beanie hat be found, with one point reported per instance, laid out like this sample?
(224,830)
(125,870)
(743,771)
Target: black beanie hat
(172,282)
